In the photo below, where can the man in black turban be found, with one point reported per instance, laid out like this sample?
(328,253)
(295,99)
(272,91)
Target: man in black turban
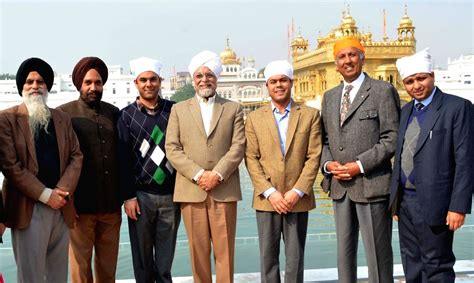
(97,195)
(37,65)
(41,161)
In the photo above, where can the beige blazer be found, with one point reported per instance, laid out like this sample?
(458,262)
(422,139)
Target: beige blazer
(189,149)
(21,189)
(266,164)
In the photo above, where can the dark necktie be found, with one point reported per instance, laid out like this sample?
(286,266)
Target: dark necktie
(419,106)
(346,102)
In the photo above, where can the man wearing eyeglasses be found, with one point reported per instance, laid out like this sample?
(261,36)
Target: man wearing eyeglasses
(205,142)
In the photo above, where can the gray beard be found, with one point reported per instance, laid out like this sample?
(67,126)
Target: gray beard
(39,114)
(206,93)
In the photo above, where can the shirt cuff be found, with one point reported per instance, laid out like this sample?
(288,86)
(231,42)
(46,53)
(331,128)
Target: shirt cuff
(268,192)
(360,166)
(130,199)
(45,195)
(325,167)
(300,193)
(198,175)
(220,175)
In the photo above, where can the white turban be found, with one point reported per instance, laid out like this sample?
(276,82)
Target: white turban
(208,59)
(144,64)
(281,67)
(416,63)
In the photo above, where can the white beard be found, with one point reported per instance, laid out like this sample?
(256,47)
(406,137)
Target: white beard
(206,93)
(38,112)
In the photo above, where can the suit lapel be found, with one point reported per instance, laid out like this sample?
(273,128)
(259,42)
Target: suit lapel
(24,125)
(292,124)
(216,113)
(361,95)
(59,128)
(272,128)
(195,111)
(334,104)
(432,115)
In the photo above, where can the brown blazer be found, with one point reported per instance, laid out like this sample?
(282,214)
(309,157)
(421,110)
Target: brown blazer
(189,149)
(21,189)
(269,168)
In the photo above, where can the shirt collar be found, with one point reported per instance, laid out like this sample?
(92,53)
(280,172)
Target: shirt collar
(150,111)
(357,82)
(287,108)
(210,100)
(427,100)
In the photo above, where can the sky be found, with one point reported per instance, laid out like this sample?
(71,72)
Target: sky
(172,31)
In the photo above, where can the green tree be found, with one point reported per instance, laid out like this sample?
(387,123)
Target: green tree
(183,93)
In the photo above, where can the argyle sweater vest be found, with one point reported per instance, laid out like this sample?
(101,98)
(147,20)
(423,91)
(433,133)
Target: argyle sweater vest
(415,122)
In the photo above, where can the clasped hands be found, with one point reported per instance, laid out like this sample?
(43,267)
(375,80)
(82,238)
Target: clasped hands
(57,199)
(343,172)
(209,180)
(283,203)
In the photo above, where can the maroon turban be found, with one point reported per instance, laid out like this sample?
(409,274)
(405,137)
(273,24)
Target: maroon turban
(84,65)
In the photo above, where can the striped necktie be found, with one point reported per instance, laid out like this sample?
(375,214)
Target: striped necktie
(346,103)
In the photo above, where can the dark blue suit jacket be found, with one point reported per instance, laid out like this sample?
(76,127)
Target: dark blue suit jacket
(443,159)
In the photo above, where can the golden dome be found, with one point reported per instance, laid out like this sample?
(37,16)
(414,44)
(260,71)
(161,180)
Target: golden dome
(228,56)
(299,41)
(406,21)
(348,21)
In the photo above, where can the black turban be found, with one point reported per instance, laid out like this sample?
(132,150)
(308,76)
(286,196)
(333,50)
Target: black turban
(84,65)
(34,65)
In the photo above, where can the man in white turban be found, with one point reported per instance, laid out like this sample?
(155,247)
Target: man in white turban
(205,142)
(146,178)
(432,180)
(282,157)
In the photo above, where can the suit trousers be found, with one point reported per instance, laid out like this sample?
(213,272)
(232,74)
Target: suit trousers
(100,233)
(375,224)
(41,249)
(271,226)
(153,237)
(206,222)
(426,251)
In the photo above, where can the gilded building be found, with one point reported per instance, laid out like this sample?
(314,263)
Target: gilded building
(315,72)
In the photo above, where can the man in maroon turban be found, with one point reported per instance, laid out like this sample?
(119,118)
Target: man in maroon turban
(97,194)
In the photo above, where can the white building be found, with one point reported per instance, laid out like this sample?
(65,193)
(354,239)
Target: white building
(458,79)
(119,90)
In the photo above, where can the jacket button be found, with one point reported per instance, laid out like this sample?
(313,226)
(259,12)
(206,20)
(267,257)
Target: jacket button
(341,148)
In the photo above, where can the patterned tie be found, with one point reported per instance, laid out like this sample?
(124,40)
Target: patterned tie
(346,102)
(419,106)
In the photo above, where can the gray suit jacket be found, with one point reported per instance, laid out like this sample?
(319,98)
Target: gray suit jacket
(368,134)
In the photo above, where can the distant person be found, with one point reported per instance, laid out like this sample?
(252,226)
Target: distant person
(2,218)
(205,142)
(282,157)
(97,197)
(360,118)
(146,177)
(41,161)
(433,174)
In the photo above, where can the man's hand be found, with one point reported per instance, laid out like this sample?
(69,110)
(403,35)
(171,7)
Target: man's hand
(209,180)
(132,209)
(343,172)
(279,203)
(395,217)
(291,198)
(455,220)
(57,198)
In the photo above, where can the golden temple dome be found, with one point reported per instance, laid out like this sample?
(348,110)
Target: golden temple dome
(228,56)
(406,21)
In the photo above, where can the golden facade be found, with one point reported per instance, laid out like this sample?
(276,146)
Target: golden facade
(315,71)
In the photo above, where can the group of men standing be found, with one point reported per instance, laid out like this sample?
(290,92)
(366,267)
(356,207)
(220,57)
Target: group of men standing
(163,160)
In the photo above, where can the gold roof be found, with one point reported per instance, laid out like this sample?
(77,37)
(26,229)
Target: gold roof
(228,56)
(406,21)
